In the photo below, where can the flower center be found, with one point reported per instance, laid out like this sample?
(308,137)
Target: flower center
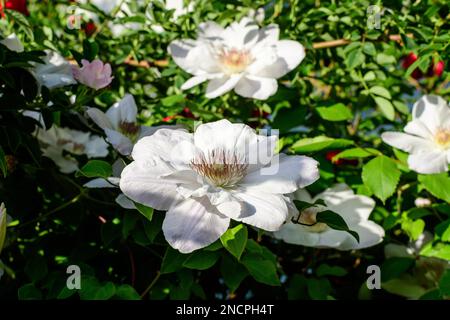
(309,220)
(76,147)
(234,60)
(129,129)
(442,138)
(220,168)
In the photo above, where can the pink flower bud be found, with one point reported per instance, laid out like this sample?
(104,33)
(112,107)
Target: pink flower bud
(95,74)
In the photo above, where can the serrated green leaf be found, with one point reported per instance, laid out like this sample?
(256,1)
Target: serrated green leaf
(381,176)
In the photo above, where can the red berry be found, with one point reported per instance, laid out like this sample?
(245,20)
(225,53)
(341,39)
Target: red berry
(89,28)
(408,61)
(17,5)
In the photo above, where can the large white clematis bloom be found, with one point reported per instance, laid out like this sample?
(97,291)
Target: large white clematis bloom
(113,182)
(55,141)
(120,124)
(427,137)
(240,57)
(222,171)
(56,71)
(354,209)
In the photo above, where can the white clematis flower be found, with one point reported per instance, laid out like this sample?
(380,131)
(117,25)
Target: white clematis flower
(354,209)
(120,124)
(222,171)
(113,182)
(240,57)
(56,72)
(56,140)
(13,43)
(427,137)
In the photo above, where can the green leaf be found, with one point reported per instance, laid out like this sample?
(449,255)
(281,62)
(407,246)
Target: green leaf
(297,288)
(96,168)
(439,250)
(3,163)
(173,100)
(369,48)
(401,107)
(442,230)
(29,292)
(357,153)
(444,284)
(201,260)
(92,289)
(380,91)
(413,228)
(335,221)
(394,267)
(172,261)
(147,212)
(337,112)
(127,292)
(386,107)
(36,268)
(235,240)
(261,269)
(437,184)
(355,58)
(2,227)
(381,176)
(327,270)
(233,273)
(319,143)
(318,289)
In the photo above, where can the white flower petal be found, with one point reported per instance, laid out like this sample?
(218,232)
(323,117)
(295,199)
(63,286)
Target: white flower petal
(262,210)
(13,43)
(111,182)
(418,128)
(193,57)
(174,146)
(406,142)
(256,87)
(432,110)
(123,111)
(193,224)
(119,141)
(295,234)
(370,234)
(192,82)
(124,202)
(142,183)
(285,176)
(219,86)
(99,117)
(288,55)
(210,29)
(429,162)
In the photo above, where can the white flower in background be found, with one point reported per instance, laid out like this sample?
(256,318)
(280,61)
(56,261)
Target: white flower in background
(13,43)
(427,137)
(56,71)
(222,171)
(240,57)
(426,273)
(354,209)
(422,202)
(113,182)
(56,140)
(258,15)
(120,124)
